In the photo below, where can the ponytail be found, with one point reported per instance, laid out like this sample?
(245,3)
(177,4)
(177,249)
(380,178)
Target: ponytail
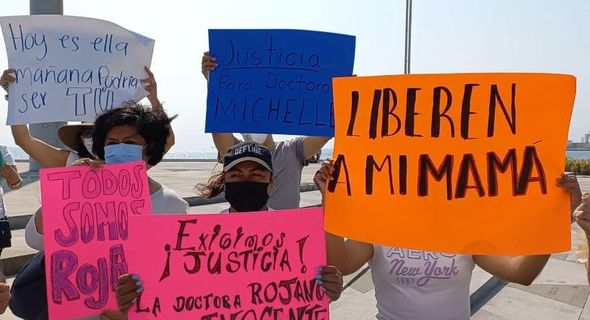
(214,187)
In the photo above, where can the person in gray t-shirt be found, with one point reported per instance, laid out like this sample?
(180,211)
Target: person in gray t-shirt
(288,157)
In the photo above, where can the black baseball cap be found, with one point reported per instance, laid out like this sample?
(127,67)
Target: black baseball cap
(247,151)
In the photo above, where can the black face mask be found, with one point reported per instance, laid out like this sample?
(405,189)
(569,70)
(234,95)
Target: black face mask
(246,195)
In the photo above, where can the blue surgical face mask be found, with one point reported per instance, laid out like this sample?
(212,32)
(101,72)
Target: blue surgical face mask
(122,153)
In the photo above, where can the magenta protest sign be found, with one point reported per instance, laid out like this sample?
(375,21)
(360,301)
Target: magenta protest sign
(229,266)
(86,216)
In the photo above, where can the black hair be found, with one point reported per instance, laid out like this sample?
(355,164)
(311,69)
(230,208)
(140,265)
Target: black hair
(152,125)
(81,148)
(214,187)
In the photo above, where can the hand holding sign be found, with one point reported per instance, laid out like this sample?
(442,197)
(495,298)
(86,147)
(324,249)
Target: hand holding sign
(208,64)
(330,278)
(323,176)
(7,79)
(71,68)
(569,183)
(128,290)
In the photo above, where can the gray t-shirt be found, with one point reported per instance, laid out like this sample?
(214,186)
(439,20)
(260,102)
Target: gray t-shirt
(288,159)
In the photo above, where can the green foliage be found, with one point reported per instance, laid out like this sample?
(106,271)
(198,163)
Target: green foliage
(578,166)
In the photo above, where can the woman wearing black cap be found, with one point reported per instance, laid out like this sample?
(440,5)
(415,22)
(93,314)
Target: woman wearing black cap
(246,178)
(130,133)
(247,182)
(289,156)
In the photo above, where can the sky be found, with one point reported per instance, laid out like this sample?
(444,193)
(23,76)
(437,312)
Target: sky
(447,36)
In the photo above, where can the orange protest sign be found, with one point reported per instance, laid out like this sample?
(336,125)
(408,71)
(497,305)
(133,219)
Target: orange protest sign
(458,163)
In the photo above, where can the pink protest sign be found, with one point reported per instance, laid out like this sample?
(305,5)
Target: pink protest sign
(229,266)
(86,224)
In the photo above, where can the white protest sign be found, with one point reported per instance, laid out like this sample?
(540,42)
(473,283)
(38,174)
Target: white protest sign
(72,68)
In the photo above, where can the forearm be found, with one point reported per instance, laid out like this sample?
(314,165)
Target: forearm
(518,269)
(223,141)
(170,141)
(312,145)
(21,135)
(156,104)
(347,255)
(46,155)
(336,252)
(529,267)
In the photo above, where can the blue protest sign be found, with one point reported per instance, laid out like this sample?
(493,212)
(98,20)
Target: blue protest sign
(275,81)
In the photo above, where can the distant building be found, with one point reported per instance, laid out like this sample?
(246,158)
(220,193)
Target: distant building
(584,145)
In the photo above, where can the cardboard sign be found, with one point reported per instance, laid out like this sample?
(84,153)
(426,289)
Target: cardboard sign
(86,217)
(229,266)
(72,68)
(458,163)
(275,81)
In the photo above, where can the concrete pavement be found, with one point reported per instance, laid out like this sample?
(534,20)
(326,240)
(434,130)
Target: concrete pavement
(560,292)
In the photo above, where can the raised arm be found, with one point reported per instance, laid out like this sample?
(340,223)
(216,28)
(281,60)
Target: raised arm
(312,145)
(151,86)
(45,154)
(223,141)
(347,255)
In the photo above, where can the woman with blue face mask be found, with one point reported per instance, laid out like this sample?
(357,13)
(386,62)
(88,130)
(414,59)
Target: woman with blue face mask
(135,133)
(128,134)
(78,138)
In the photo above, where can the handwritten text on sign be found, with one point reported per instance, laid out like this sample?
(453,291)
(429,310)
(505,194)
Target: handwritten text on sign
(452,163)
(229,266)
(71,68)
(275,81)
(86,224)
